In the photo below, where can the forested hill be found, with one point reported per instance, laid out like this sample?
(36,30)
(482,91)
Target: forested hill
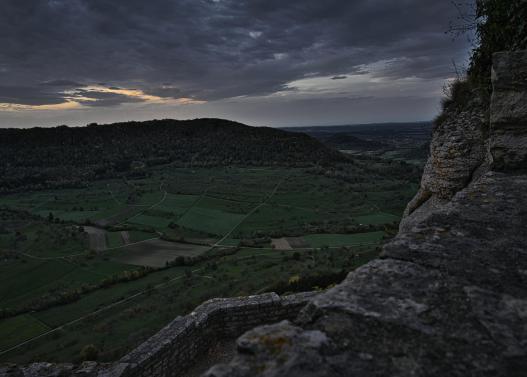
(63,156)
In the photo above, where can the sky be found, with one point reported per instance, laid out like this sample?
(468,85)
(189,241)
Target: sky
(260,62)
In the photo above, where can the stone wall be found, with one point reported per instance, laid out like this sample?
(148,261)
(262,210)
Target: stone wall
(175,348)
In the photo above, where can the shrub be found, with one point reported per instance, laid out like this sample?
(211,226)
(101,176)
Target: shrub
(89,353)
(458,93)
(499,25)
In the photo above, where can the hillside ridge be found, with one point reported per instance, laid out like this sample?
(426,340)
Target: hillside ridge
(64,157)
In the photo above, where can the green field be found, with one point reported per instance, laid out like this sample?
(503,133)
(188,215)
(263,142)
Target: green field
(114,239)
(275,217)
(177,204)
(12,330)
(155,222)
(338,240)
(210,220)
(25,281)
(377,218)
(51,274)
(138,236)
(118,329)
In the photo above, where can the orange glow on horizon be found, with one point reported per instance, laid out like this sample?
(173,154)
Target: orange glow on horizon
(74,101)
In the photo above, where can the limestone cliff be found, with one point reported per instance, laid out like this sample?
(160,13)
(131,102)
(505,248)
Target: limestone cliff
(449,295)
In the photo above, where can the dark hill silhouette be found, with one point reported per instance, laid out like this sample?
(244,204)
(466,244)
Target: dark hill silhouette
(39,158)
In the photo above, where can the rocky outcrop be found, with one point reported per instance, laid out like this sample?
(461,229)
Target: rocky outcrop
(470,140)
(457,151)
(449,295)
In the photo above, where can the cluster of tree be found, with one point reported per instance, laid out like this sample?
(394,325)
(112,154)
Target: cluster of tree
(311,228)
(67,296)
(500,25)
(14,216)
(126,276)
(191,261)
(367,169)
(63,157)
(89,353)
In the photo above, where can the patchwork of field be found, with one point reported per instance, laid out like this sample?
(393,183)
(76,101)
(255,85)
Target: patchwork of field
(213,202)
(24,281)
(156,299)
(94,265)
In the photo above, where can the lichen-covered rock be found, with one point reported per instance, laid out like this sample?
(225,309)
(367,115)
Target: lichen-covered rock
(300,351)
(508,142)
(456,150)
(448,298)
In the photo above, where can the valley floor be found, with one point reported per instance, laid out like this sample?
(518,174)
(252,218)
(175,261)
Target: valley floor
(111,263)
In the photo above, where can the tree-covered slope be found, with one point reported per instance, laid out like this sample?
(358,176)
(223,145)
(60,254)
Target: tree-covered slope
(63,156)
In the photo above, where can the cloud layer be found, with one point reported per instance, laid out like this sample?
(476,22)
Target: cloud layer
(68,55)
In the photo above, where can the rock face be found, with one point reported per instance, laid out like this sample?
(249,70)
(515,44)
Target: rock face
(508,145)
(457,151)
(449,295)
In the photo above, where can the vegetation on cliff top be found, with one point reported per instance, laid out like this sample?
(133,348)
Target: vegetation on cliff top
(499,25)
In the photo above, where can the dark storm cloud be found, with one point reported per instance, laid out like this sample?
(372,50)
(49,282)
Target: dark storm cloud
(212,50)
(27,95)
(62,83)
